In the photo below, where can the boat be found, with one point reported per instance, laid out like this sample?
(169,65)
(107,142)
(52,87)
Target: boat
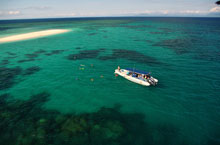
(137,76)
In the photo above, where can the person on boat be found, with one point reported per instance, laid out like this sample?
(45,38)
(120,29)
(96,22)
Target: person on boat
(119,69)
(145,77)
(133,74)
(139,76)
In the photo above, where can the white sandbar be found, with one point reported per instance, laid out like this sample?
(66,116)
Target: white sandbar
(32,35)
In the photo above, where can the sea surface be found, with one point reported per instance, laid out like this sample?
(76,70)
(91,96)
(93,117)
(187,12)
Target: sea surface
(61,89)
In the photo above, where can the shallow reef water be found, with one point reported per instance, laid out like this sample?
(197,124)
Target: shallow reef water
(91,34)
(34,55)
(85,54)
(180,46)
(40,51)
(54,52)
(4,62)
(31,55)
(26,60)
(78,47)
(31,70)
(26,122)
(62,89)
(131,55)
(8,76)
(11,53)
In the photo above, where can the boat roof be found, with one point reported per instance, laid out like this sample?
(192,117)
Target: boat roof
(137,71)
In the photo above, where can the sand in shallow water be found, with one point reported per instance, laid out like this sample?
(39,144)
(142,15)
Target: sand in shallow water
(32,35)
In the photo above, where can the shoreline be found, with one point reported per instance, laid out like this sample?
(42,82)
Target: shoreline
(32,35)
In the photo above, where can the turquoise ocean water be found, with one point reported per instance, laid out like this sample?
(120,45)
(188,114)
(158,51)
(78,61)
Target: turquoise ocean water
(71,76)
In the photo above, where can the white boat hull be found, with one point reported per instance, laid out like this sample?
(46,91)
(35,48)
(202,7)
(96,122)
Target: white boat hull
(123,73)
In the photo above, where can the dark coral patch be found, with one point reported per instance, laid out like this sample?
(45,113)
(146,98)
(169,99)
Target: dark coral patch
(10,57)
(26,60)
(31,124)
(91,34)
(137,40)
(78,47)
(136,26)
(180,46)
(31,70)
(3,99)
(149,41)
(165,131)
(117,54)
(33,55)
(11,53)
(35,101)
(85,54)
(102,49)
(7,76)
(4,62)
(130,55)
(167,30)
(157,33)
(36,53)
(53,52)
(40,51)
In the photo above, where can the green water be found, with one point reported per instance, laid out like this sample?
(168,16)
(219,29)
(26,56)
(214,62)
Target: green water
(77,70)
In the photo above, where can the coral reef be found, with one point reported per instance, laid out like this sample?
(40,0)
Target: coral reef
(53,52)
(117,54)
(91,34)
(130,55)
(11,53)
(31,70)
(4,62)
(35,54)
(25,123)
(179,46)
(157,33)
(8,75)
(26,60)
(85,54)
(40,51)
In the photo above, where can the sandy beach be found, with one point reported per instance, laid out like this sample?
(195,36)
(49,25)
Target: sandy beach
(32,35)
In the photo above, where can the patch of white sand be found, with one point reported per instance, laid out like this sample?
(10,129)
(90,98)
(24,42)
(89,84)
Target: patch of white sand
(32,35)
